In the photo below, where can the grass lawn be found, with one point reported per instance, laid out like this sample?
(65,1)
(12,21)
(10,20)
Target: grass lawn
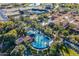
(69,52)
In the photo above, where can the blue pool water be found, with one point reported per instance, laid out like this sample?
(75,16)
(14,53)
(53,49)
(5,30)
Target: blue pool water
(37,11)
(41,41)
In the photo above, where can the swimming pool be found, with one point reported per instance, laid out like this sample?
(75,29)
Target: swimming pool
(38,11)
(40,41)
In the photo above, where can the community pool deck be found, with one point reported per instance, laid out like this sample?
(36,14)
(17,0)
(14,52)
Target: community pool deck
(40,41)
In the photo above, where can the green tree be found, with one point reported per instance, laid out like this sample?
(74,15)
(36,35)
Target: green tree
(18,50)
(8,40)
